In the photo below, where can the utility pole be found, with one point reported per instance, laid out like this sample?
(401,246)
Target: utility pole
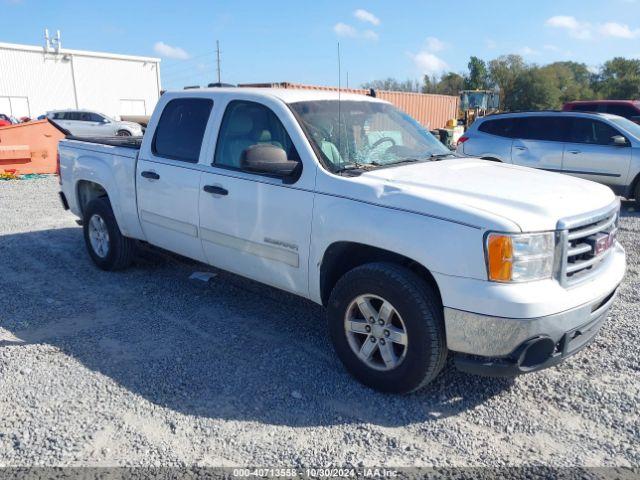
(218,59)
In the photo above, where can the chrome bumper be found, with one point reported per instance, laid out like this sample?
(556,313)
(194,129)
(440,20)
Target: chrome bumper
(486,336)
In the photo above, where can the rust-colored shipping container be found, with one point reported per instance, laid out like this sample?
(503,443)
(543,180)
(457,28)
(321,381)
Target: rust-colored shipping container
(30,147)
(432,111)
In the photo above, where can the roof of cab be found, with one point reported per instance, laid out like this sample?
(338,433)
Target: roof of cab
(287,95)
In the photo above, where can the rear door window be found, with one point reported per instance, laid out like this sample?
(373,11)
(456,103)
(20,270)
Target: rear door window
(626,111)
(503,127)
(584,107)
(181,127)
(548,128)
(594,132)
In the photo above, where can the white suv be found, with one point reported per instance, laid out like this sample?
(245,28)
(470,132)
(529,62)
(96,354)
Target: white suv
(87,123)
(595,146)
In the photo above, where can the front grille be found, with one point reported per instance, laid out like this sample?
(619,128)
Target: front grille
(585,242)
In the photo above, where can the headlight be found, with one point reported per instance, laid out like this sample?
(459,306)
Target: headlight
(519,257)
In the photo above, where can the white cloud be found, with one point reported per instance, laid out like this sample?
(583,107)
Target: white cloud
(167,51)
(344,30)
(528,52)
(369,35)
(366,16)
(429,64)
(575,28)
(618,30)
(435,44)
(551,48)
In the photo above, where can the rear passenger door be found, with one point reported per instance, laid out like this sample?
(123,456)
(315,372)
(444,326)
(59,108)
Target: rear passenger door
(591,154)
(493,140)
(539,142)
(168,177)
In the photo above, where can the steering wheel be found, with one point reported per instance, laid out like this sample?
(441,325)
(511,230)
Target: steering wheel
(382,140)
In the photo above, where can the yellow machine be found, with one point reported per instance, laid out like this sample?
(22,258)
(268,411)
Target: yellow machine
(477,103)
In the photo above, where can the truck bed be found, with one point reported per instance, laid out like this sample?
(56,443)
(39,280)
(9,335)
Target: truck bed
(126,142)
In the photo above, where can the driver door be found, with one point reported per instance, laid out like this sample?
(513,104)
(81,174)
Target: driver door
(256,225)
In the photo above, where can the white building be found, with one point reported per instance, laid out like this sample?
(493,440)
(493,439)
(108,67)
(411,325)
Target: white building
(34,80)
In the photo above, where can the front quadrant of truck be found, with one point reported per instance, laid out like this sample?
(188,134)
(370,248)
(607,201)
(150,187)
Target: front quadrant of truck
(415,253)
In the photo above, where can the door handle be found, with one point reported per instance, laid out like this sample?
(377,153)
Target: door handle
(575,152)
(520,148)
(215,189)
(151,175)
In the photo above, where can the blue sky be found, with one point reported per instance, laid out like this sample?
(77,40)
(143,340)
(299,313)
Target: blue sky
(296,41)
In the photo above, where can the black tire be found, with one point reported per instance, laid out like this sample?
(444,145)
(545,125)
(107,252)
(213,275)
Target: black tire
(121,249)
(123,133)
(636,194)
(421,311)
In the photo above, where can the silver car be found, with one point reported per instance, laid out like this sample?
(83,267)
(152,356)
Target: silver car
(596,146)
(88,123)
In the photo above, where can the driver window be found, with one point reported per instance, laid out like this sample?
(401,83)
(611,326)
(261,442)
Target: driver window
(586,130)
(246,124)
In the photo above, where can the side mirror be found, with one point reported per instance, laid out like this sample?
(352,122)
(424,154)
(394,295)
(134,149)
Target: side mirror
(619,141)
(267,159)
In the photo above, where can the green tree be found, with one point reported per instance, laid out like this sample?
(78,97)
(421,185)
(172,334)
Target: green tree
(450,84)
(503,73)
(478,76)
(619,79)
(535,88)
(572,79)
(394,85)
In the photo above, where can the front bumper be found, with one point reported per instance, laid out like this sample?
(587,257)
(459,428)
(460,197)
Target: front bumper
(542,350)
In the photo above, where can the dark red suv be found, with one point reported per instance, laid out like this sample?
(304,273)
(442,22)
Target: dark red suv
(625,108)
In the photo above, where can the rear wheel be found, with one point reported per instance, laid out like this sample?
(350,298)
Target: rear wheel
(123,133)
(107,247)
(387,327)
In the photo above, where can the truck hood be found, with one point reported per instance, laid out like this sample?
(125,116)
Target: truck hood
(487,194)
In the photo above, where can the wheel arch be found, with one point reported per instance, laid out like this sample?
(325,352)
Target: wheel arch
(631,192)
(87,190)
(341,257)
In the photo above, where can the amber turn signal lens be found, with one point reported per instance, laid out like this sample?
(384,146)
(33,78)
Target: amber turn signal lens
(500,253)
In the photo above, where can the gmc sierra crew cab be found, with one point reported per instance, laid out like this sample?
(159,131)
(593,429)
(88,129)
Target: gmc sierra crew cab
(347,201)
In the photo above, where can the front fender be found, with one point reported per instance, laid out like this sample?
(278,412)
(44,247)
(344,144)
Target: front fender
(439,245)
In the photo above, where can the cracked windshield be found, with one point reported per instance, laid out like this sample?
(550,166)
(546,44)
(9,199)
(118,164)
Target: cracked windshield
(364,135)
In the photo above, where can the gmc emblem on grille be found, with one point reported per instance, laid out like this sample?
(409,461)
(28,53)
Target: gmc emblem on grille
(601,242)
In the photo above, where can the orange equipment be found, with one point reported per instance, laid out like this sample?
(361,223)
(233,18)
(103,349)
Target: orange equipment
(30,147)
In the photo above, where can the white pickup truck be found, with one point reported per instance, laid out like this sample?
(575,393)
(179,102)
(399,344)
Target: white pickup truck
(348,202)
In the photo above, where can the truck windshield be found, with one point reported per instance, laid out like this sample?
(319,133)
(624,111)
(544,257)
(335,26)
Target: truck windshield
(364,134)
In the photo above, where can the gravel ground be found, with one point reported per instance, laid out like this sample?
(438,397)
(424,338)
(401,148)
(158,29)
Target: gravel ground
(147,367)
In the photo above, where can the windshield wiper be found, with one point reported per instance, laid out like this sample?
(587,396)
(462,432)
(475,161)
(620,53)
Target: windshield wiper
(436,156)
(397,162)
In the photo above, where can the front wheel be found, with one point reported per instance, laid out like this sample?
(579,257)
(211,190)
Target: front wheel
(107,247)
(387,327)
(123,133)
